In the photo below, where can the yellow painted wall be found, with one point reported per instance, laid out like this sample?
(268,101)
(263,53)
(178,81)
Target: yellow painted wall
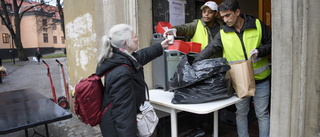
(80,39)
(29,35)
(4,30)
(58,32)
(85,27)
(32,36)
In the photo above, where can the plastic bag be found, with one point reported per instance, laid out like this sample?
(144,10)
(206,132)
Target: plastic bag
(201,82)
(188,73)
(3,71)
(217,87)
(184,75)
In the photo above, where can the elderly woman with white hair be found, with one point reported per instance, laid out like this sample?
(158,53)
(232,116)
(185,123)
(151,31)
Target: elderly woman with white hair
(125,87)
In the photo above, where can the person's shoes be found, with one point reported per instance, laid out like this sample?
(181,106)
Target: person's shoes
(198,132)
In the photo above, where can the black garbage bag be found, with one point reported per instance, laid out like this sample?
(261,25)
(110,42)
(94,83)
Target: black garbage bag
(210,89)
(201,82)
(185,74)
(188,73)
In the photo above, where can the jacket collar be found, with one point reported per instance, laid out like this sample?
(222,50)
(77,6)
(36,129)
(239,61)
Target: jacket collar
(128,59)
(216,20)
(117,59)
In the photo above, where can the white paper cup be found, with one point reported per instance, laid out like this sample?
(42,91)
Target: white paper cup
(172,39)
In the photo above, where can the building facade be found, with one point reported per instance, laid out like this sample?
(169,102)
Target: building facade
(40,28)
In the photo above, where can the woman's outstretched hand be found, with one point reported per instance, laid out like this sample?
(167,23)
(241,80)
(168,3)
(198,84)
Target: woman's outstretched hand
(165,43)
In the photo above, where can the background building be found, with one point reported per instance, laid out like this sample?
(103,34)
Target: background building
(40,28)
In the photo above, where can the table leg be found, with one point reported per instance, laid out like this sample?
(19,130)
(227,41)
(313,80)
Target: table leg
(47,131)
(174,123)
(26,132)
(215,123)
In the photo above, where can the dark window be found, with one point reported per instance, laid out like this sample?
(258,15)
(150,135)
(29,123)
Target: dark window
(55,40)
(54,26)
(9,7)
(62,40)
(45,38)
(5,37)
(2,22)
(45,29)
(44,22)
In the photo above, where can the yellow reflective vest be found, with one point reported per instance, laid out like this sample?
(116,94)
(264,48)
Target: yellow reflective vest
(233,50)
(201,35)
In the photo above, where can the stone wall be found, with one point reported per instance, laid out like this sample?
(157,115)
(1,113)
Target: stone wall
(295,105)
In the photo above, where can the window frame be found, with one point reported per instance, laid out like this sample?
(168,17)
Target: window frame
(54,26)
(45,38)
(44,22)
(55,40)
(5,38)
(3,22)
(63,40)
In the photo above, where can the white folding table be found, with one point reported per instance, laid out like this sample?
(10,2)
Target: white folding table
(161,100)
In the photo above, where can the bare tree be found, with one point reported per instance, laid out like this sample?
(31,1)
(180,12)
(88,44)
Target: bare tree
(16,12)
(60,18)
(59,5)
(49,14)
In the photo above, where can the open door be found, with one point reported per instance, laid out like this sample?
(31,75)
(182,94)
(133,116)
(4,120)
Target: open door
(265,12)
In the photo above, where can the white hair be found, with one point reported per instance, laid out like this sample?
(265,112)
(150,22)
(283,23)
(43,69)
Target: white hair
(120,36)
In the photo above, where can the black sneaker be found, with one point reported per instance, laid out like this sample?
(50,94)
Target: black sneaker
(196,133)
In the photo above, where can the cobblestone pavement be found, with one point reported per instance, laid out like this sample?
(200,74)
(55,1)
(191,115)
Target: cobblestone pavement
(28,74)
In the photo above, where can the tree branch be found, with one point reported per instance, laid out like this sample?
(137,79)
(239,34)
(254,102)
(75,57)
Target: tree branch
(6,19)
(29,7)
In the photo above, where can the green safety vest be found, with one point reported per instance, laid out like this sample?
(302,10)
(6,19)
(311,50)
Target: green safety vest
(233,51)
(201,35)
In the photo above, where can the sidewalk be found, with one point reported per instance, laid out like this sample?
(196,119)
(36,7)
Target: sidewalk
(28,74)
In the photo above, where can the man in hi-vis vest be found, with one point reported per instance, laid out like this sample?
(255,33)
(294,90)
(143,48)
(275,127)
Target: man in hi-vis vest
(201,30)
(241,38)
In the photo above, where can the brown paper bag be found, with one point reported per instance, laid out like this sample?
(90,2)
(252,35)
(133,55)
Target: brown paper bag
(242,77)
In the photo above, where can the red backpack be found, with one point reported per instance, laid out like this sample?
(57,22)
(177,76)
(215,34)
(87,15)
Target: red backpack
(88,99)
